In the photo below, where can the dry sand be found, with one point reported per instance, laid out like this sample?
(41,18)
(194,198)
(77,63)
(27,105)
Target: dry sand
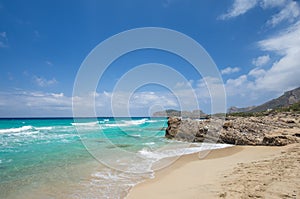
(235,172)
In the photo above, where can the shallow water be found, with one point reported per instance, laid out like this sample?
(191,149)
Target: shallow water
(82,158)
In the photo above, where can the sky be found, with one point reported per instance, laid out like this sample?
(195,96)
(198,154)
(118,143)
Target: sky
(255,45)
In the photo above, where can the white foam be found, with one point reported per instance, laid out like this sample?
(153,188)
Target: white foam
(152,121)
(110,183)
(7,161)
(126,123)
(137,122)
(16,130)
(104,121)
(44,128)
(110,175)
(149,143)
(85,124)
(116,125)
(134,135)
(158,155)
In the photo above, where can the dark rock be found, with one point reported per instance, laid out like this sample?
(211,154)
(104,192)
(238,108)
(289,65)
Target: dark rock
(297,134)
(290,121)
(278,140)
(228,124)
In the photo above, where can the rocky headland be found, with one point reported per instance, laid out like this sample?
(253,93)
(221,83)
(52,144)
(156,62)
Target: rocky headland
(274,129)
(288,98)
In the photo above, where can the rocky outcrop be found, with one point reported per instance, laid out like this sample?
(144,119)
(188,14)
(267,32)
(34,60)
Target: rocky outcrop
(277,129)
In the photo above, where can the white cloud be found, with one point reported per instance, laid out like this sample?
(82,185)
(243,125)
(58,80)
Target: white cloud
(261,60)
(36,103)
(230,70)
(58,95)
(259,85)
(43,82)
(237,82)
(142,99)
(272,3)
(240,86)
(238,8)
(286,42)
(289,10)
(23,103)
(289,13)
(257,72)
(284,73)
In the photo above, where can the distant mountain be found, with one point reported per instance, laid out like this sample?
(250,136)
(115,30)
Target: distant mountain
(235,109)
(287,99)
(184,114)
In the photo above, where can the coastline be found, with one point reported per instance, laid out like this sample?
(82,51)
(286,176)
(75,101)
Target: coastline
(233,172)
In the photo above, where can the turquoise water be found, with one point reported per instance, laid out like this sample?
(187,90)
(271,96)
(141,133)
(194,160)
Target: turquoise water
(82,158)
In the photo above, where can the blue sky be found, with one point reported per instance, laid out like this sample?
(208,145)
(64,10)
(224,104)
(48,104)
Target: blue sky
(254,43)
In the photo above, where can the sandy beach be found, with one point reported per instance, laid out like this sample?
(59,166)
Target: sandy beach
(235,172)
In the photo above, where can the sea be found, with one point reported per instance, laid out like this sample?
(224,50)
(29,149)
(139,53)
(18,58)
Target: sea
(84,157)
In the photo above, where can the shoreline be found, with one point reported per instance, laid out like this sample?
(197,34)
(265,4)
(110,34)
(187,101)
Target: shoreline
(231,168)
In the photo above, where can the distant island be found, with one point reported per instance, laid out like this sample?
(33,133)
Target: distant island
(195,114)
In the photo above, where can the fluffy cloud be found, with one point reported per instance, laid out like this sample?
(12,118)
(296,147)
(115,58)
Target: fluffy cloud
(284,73)
(230,70)
(285,42)
(257,73)
(261,60)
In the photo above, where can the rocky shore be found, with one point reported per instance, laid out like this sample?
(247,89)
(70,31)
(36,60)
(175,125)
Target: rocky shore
(276,129)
